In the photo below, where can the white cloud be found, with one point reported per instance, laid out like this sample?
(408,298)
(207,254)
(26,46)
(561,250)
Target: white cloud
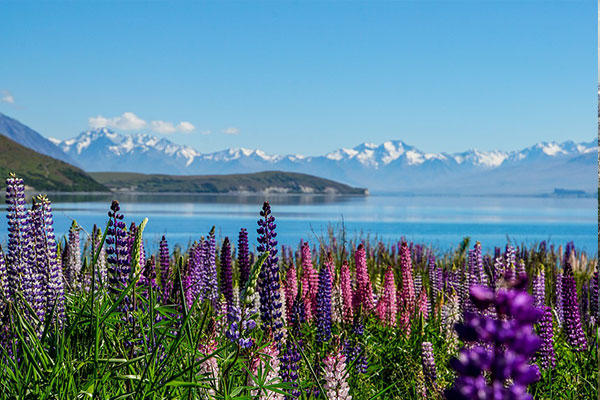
(7,97)
(185,126)
(163,127)
(231,131)
(128,121)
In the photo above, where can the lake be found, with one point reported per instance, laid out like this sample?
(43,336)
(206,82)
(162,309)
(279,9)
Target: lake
(437,221)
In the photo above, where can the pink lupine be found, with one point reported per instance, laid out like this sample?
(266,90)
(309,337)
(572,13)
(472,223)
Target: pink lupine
(346,286)
(269,362)
(291,289)
(364,286)
(209,368)
(335,384)
(390,311)
(407,293)
(310,282)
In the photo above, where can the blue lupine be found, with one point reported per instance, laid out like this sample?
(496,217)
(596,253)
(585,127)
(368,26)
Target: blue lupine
(226,273)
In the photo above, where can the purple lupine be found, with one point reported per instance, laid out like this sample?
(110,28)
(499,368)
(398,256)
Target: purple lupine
(270,298)
(353,349)
(594,306)
(226,273)
(243,257)
(558,301)
(539,288)
(195,275)
(116,239)
(509,262)
(546,354)
(166,281)
(297,318)
(324,306)
(508,344)
(72,265)
(17,227)
(290,363)
(478,264)
(572,317)
(4,288)
(210,267)
(34,282)
(428,362)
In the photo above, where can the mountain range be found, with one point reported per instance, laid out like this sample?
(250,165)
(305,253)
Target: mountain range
(392,166)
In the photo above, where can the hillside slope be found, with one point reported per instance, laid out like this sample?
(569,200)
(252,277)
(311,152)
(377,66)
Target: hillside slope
(42,172)
(270,181)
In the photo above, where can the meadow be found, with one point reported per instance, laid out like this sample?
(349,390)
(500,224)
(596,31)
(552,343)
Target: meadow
(94,315)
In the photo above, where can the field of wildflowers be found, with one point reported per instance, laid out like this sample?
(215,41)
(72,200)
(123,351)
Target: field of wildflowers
(97,316)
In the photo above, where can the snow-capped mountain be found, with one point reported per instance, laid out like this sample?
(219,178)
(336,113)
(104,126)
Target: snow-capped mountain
(390,166)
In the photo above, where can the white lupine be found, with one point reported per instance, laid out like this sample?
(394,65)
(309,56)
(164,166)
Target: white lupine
(336,385)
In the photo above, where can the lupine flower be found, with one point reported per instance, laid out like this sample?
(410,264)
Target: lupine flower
(334,374)
(389,307)
(572,318)
(428,362)
(539,288)
(406,298)
(353,349)
(310,282)
(17,233)
(558,305)
(509,262)
(336,303)
(270,298)
(4,287)
(594,306)
(509,343)
(298,318)
(226,272)
(290,363)
(364,290)
(291,289)
(116,238)
(546,354)
(209,368)
(101,271)
(324,307)
(521,269)
(418,283)
(210,267)
(451,314)
(72,267)
(347,293)
(243,257)
(423,304)
(166,281)
(270,363)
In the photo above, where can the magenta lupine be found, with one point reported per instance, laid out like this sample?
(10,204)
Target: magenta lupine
(243,257)
(347,293)
(268,289)
(546,354)
(334,375)
(539,288)
(72,266)
(388,300)
(310,282)
(166,281)
(291,290)
(572,317)
(226,272)
(324,306)
(364,290)
(406,300)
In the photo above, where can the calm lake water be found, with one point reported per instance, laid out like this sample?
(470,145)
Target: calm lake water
(438,221)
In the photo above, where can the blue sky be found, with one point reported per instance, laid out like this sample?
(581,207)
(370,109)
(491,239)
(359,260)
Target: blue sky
(290,77)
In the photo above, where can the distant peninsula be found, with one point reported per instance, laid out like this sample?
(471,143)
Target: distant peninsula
(278,182)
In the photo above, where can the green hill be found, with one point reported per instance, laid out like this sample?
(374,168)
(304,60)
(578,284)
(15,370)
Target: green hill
(269,181)
(42,172)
